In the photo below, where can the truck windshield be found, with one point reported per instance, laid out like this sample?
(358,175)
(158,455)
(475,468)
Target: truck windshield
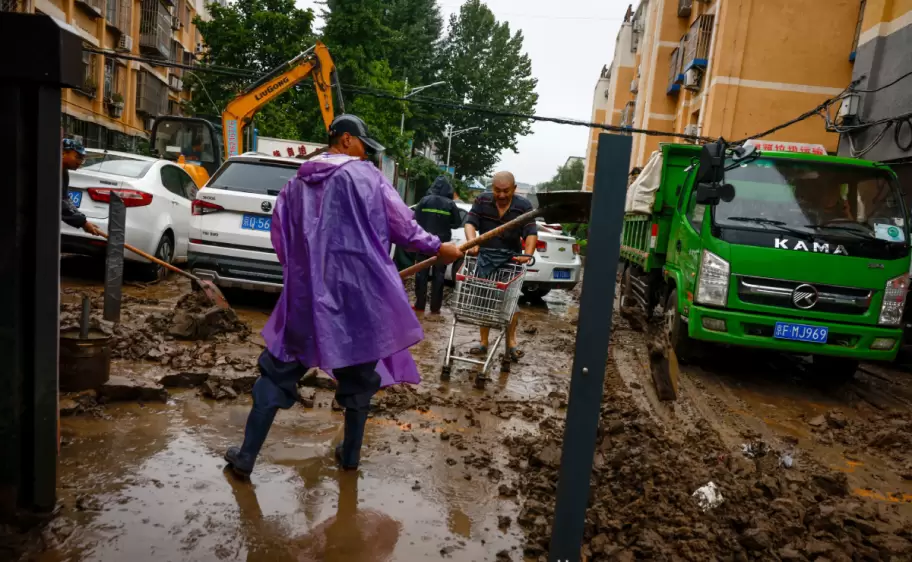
(814,197)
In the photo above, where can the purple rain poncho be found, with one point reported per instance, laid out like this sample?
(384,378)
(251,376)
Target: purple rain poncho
(343,303)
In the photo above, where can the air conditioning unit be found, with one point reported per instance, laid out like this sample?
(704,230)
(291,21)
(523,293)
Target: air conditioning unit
(635,86)
(693,130)
(692,79)
(125,43)
(199,48)
(176,23)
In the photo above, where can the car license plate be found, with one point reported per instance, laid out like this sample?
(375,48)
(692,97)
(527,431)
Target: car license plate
(75,197)
(801,332)
(256,222)
(562,274)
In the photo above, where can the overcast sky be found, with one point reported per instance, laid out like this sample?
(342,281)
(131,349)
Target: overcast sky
(568,42)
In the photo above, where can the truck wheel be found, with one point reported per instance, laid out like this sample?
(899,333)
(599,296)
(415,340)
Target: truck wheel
(625,298)
(686,348)
(839,370)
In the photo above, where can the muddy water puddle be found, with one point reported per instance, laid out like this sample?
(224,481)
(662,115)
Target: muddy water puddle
(148,483)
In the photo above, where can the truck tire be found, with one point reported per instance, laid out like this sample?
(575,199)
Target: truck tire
(839,370)
(625,298)
(686,348)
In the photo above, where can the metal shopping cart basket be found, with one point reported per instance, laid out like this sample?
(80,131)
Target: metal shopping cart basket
(488,301)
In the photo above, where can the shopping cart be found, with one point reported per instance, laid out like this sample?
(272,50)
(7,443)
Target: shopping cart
(488,301)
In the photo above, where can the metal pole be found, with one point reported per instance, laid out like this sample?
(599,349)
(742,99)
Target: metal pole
(402,121)
(449,144)
(592,335)
(114,258)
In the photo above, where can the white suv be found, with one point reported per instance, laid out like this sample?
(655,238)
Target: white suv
(232,215)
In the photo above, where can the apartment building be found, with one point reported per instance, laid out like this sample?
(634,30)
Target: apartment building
(728,69)
(882,56)
(119,98)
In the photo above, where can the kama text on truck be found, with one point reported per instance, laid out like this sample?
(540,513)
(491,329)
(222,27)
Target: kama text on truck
(791,251)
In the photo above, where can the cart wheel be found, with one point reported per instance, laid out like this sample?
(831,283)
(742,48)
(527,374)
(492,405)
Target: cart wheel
(480,382)
(445,373)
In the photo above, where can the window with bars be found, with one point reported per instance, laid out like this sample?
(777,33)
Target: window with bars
(111,79)
(89,86)
(155,28)
(151,95)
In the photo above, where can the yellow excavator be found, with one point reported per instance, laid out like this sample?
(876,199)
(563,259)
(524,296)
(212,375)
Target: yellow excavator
(200,146)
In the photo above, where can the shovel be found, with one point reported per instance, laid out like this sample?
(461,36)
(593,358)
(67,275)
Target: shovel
(553,206)
(209,289)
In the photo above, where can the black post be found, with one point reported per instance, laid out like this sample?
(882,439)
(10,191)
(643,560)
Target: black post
(592,335)
(114,258)
(30,260)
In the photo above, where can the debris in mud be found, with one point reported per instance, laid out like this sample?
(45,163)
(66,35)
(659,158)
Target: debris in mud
(307,397)
(125,389)
(708,496)
(641,504)
(217,390)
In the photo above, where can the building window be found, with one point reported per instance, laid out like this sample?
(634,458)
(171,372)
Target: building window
(111,82)
(89,86)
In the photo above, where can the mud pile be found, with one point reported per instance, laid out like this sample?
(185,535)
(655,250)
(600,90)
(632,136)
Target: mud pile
(887,435)
(642,503)
(147,334)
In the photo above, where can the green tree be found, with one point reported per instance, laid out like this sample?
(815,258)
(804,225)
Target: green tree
(379,44)
(258,35)
(483,63)
(569,177)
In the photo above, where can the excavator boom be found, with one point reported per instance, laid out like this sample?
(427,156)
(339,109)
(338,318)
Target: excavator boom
(315,62)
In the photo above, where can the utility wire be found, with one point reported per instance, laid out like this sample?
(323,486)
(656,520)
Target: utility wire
(885,86)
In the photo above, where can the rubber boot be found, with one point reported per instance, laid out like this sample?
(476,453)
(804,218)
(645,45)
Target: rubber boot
(350,454)
(258,423)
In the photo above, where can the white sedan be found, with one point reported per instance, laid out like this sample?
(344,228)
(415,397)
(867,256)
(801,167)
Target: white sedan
(557,262)
(156,193)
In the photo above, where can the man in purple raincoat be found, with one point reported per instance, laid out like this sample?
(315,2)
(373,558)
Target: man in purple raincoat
(343,307)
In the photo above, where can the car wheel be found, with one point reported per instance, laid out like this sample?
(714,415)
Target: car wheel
(535,291)
(164,252)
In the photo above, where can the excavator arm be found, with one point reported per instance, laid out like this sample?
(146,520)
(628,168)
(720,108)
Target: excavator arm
(314,62)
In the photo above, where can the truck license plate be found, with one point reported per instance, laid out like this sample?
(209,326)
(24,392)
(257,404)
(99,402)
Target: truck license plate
(801,332)
(562,274)
(256,222)
(75,197)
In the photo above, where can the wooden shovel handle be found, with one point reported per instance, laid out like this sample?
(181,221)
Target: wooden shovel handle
(153,259)
(478,240)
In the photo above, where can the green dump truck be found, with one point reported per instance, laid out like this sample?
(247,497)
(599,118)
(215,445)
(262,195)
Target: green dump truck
(794,251)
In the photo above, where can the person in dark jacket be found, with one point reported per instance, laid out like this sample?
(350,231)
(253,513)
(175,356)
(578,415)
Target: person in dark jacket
(73,157)
(438,214)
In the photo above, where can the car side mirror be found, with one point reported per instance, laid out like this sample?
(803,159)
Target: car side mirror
(712,163)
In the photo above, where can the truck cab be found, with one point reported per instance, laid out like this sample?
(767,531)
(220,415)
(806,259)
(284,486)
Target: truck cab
(792,251)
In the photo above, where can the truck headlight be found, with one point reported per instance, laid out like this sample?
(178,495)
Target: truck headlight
(894,301)
(712,286)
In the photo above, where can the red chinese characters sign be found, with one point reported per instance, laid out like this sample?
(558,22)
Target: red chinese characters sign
(778,146)
(302,151)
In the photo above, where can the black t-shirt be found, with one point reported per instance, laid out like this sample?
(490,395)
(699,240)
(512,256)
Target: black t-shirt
(485,217)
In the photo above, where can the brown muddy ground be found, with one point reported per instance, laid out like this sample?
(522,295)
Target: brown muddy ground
(460,473)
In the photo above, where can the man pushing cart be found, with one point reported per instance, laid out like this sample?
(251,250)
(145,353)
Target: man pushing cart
(490,282)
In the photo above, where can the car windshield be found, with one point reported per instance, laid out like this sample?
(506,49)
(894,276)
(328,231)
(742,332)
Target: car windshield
(116,164)
(190,139)
(253,177)
(813,197)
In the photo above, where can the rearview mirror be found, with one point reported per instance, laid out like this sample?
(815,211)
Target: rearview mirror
(712,163)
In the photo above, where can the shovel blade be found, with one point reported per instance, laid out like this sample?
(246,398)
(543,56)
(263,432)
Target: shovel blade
(213,293)
(565,206)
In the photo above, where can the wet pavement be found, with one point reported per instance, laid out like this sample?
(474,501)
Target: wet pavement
(453,471)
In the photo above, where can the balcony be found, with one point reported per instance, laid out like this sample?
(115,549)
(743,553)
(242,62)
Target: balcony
(175,83)
(684,8)
(627,114)
(696,45)
(151,95)
(95,8)
(155,29)
(12,5)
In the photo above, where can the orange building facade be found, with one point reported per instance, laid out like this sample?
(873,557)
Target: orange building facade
(119,98)
(718,68)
